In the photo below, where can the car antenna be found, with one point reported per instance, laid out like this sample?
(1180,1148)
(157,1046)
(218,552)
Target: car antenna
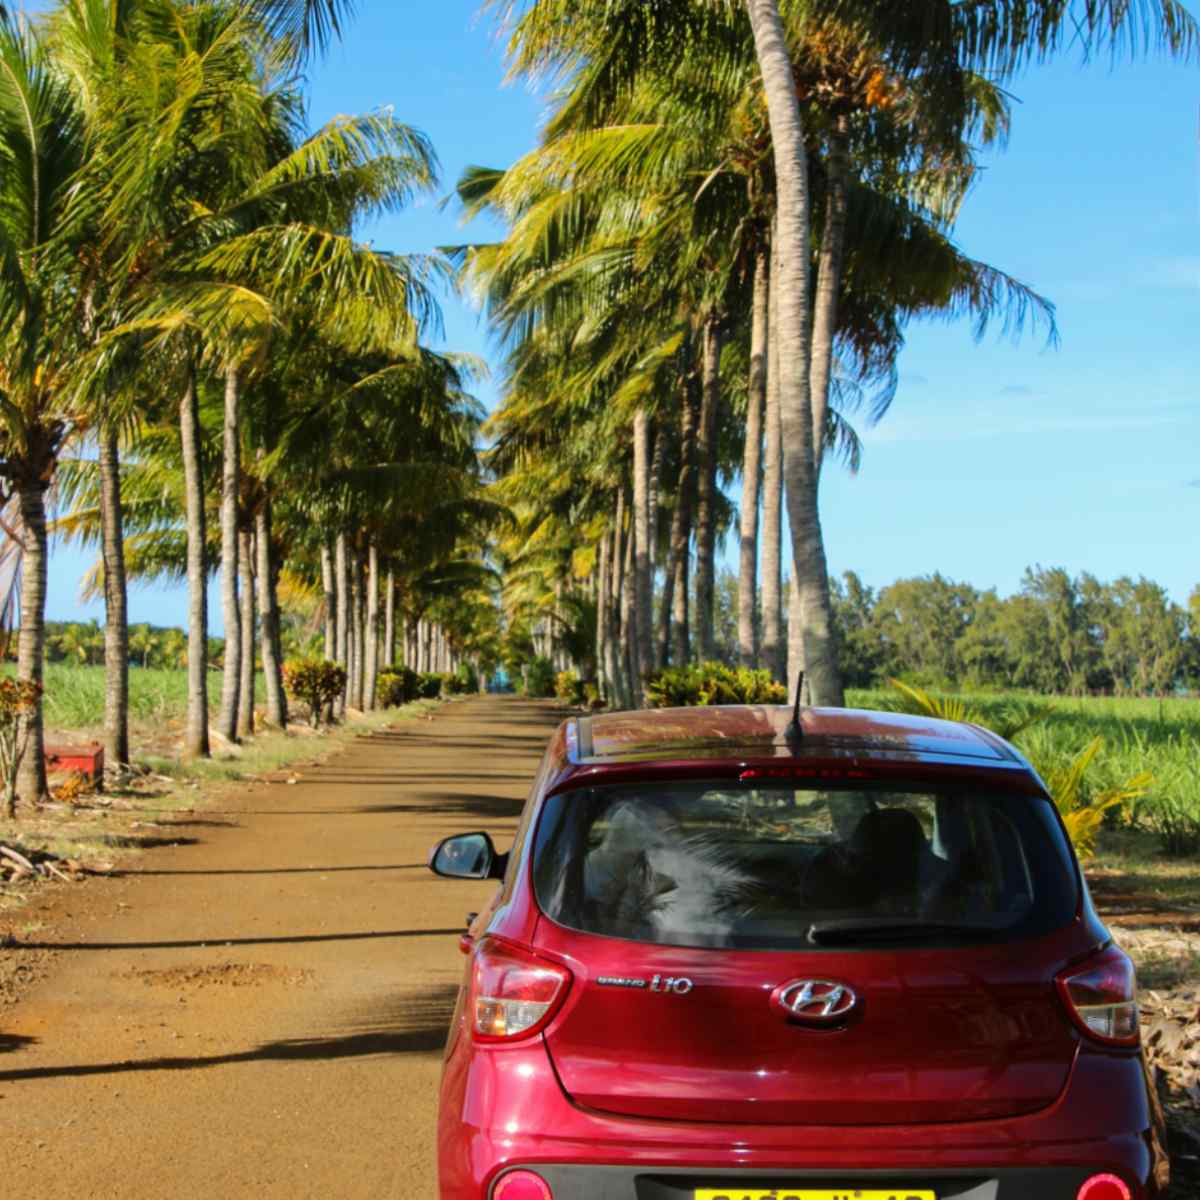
(795,730)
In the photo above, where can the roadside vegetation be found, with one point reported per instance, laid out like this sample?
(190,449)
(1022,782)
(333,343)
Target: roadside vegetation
(712,256)
(207,374)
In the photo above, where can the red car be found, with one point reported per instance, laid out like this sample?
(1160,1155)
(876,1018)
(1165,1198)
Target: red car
(742,954)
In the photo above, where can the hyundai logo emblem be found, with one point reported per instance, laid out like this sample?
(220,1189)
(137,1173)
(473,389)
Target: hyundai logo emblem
(814,1001)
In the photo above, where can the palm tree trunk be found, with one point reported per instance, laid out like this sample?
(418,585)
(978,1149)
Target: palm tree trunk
(342,602)
(371,659)
(681,628)
(196,737)
(268,609)
(604,679)
(752,465)
(675,595)
(797,668)
(657,460)
(245,724)
(706,480)
(116,602)
(774,652)
(810,571)
(617,586)
(829,283)
(629,619)
(31,643)
(231,484)
(389,617)
(643,597)
(357,633)
(328,587)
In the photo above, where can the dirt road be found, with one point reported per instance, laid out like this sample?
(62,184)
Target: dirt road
(261,1013)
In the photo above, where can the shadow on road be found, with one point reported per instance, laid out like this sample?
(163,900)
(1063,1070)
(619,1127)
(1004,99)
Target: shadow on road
(220,941)
(401,779)
(416,1024)
(466,805)
(276,870)
(14,1041)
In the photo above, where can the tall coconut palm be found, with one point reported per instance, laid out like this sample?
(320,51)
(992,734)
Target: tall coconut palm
(235,210)
(42,147)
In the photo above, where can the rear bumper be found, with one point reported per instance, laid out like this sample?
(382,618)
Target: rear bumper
(625,1183)
(503,1107)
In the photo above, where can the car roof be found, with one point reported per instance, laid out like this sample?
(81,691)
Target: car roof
(758,732)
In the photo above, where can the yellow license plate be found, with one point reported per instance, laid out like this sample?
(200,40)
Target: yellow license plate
(789,1193)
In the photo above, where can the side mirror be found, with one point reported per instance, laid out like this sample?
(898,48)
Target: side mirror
(467,856)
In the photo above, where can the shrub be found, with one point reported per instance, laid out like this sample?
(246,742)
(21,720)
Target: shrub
(429,685)
(539,678)
(568,687)
(464,681)
(712,683)
(396,686)
(18,698)
(316,682)
(1082,805)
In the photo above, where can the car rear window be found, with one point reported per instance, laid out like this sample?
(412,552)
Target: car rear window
(777,868)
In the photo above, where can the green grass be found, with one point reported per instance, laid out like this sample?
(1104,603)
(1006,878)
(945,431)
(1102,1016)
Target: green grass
(75,695)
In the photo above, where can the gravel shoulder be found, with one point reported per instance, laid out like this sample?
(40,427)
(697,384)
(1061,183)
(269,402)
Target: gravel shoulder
(262,1011)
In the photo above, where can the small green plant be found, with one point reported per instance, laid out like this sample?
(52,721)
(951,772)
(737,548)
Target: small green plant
(1170,808)
(429,685)
(1082,806)
(712,683)
(396,686)
(568,687)
(464,681)
(18,698)
(539,678)
(316,683)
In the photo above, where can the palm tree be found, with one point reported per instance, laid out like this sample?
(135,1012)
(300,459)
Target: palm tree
(42,147)
(995,37)
(237,210)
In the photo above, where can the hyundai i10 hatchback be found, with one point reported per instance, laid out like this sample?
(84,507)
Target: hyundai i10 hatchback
(741,954)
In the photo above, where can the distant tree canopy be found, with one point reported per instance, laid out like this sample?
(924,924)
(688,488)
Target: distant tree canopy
(1056,634)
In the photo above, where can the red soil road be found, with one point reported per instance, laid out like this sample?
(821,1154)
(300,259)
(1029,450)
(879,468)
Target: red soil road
(262,1013)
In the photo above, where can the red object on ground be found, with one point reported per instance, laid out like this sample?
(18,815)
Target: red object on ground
(84,760)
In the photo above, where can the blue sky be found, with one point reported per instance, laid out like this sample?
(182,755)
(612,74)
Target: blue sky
(996,455)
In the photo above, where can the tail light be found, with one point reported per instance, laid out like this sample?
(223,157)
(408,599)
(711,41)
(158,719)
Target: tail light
(514,992)
(522,1185)
(1104,1187)
(1101,997)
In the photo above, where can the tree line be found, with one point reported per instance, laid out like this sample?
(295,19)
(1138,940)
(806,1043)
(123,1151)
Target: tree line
(1056,634)
(712,255)
(204,372)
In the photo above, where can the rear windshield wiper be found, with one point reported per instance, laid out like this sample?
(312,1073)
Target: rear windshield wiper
(895,929)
